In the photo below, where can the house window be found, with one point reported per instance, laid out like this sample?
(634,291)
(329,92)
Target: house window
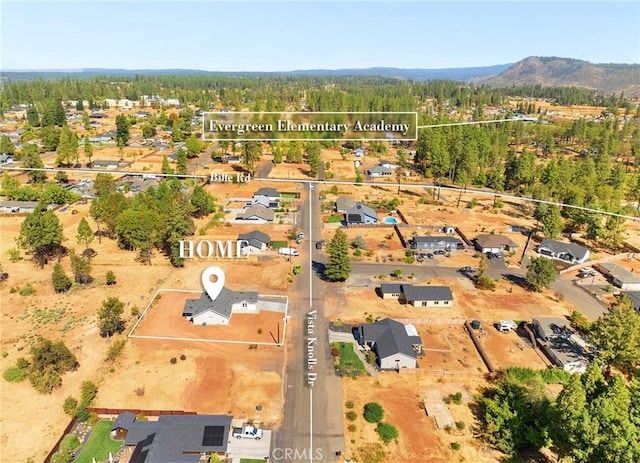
(244,304)
(446,302)
(424,303)
(436,302)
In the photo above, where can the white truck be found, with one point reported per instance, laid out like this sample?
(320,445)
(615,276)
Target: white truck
(288,252)
(504,326)
(247,432)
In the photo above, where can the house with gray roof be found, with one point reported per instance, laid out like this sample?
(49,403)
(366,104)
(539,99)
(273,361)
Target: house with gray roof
(361,214)
(270,193)
(429,243)
(173,438)
(566,252)
(20,207)
(256,242)
(343,203)
(634,297)
(378,171)
(561,345)
(257,213)
(396,346)
(6,158)
(620,276)
(417,296)
(206,311)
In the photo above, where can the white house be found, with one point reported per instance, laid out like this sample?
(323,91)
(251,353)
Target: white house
(205,311)
(620,276)
(256,242)
(567,252)
(396,346)
(418,296)
(378,171)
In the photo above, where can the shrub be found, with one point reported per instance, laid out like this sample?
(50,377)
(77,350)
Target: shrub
(27,290)
(115,349)
(351,415)
(60,281)
(183,357)
(387,432)
(335,351)
(88,391)
(82,414)
(371,357)
(173,360)
(14,374)
(455,446)
(349,404)
(373,412)
(473,203)
(580,322)
(135,310)
(357,253)
(352,428)
(70,405)
(460,425)
(139,391)
(111,278)
(457,398)
(14,254)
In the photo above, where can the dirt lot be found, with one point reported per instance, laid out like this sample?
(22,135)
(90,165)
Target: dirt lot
(419,440)
(164,318)
(508,349)
(448,347)
(246,377)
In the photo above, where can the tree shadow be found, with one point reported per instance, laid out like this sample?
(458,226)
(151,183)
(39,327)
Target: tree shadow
(518,280)
(318,268)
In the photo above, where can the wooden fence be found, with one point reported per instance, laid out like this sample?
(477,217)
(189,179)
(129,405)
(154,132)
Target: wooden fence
(431,321)
(476,342)
(117,411)
(56,446)
(441,373)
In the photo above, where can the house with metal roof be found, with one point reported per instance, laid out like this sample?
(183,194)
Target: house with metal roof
(173,438)
(566,252)
(256,241)
(417,296)
(361,214)
(620,276)
(396,346)
(561,345)
(430,243)
(206,311)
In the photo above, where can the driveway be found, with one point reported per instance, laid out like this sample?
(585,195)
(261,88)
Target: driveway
(249,448)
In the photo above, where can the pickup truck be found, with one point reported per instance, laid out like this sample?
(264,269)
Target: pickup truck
(247,432)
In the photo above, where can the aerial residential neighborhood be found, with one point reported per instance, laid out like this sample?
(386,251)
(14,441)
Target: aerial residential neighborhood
(210,258)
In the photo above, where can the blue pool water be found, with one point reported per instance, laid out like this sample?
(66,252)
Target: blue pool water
(391,220)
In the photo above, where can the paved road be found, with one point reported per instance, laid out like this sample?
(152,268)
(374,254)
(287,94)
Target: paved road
(312,420)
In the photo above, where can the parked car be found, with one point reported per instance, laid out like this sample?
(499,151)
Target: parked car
(430,256)
(439,252)
(318,244)
(466,270)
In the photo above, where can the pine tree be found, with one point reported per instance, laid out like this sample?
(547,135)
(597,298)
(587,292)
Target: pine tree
(109,321)
(181,162)
(6,147)
(61,282)
(32,116)
(88,150)
(338,267)
(84,233)
(122,130)
(166,168)
(541,273)
(31,159)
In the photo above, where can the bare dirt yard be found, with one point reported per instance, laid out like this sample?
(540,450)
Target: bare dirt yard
(164,319)
(507,350)
(211,379)
(419,440)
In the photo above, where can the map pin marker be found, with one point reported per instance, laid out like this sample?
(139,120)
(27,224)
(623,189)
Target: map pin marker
(213,288)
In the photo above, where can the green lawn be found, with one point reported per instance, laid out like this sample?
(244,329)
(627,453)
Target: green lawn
(284,196)
(251,460)
(99,444)
(335,218)
(348,358)
(278,244)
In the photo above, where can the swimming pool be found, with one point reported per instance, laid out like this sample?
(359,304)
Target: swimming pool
(391,220)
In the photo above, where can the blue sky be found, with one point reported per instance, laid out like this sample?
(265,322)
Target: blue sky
(288,35)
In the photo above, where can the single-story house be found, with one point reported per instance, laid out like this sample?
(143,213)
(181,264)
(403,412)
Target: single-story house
(567,252)
(105,164)
(143,114)
(620,277)
(561,345)
(257,241)
(359,151)
(395,345)
(448,243)
(343,203)
(173,438)
(257,213)
(270,193)
(634,297)
(6,158)
(418,296)
(101,138)
(173,157)
(494,243)
(233,159)
(98,114)
(389,165)
(25,207)
(206,311)
(378,171)
(361,213)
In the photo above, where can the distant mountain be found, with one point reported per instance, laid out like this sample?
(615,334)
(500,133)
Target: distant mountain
(461,74)
(565,72)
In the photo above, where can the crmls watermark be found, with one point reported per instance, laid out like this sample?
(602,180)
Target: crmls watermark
(219,249)
(312,360)
(288,454)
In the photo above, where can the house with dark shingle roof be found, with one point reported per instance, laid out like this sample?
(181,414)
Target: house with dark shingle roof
(257,213)
(444,243)
(173,438)
(270,193)
(567,252)
(256,241)
(206,311)
(418,296)
(396,346)
(361,214)
(561,345)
